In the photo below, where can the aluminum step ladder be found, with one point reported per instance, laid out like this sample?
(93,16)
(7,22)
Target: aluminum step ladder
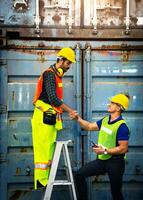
(61,147)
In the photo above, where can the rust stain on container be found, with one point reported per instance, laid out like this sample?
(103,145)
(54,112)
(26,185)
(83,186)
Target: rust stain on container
(41,56)
(125,56)
(119,47)
(41,44)
(23,150)
(42,10)
(13,99)
(18,170)
(12,121)
(56,18)
(36,52)
(13,95)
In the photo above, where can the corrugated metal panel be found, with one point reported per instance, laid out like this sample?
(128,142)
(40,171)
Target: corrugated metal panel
(3,118)
(19,76)
(110,72)
(74,13)
(107,13)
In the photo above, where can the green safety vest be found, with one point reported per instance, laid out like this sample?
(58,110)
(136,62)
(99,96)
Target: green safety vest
(107,136)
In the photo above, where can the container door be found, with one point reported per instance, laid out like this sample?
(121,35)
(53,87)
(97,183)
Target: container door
(108,70)
(18,80)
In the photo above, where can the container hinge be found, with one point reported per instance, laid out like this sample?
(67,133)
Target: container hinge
(3,109)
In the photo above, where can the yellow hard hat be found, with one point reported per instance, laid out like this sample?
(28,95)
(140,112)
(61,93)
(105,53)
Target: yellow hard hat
(67,53)
(121,99)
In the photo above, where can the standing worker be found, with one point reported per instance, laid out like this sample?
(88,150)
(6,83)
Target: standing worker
(111,148)
(46,120)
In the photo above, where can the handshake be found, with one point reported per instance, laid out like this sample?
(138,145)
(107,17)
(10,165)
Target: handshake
(74,115)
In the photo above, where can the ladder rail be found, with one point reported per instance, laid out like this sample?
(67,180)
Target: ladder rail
(53,171)
(70,171)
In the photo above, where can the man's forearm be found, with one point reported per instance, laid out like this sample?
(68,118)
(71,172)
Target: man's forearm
(83,123)
(66,108)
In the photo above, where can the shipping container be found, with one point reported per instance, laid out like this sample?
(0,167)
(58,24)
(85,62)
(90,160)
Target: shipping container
(107,37)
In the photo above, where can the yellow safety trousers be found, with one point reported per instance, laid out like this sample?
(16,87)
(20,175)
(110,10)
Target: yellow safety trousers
(44,137)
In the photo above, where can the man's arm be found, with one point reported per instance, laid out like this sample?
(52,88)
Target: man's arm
(67,108)
(50,86)
(122,138)
(89,126)
(121,149)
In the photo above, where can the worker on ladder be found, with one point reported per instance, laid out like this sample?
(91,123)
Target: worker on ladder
(46,120)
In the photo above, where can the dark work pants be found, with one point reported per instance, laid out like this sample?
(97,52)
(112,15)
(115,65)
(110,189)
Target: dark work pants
(114,167)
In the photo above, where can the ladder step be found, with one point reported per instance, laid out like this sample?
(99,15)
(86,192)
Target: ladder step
(62,182)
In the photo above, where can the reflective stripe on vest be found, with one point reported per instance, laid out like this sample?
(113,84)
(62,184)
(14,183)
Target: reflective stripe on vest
(107,136)
(42,166)
(59,89)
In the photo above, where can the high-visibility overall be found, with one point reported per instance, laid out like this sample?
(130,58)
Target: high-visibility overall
(44,135)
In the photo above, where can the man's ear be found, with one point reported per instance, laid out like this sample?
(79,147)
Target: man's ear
(61,62)
(119,109)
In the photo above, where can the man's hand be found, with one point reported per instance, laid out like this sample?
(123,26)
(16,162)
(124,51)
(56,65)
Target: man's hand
(99,149)
(73,115)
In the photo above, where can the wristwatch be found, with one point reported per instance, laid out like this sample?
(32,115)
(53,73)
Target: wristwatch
(105,151)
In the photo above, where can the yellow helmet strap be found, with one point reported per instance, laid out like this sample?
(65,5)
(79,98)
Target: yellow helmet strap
(121,107)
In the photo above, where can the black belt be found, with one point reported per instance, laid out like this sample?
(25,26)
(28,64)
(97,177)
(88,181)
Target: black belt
(118,156)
